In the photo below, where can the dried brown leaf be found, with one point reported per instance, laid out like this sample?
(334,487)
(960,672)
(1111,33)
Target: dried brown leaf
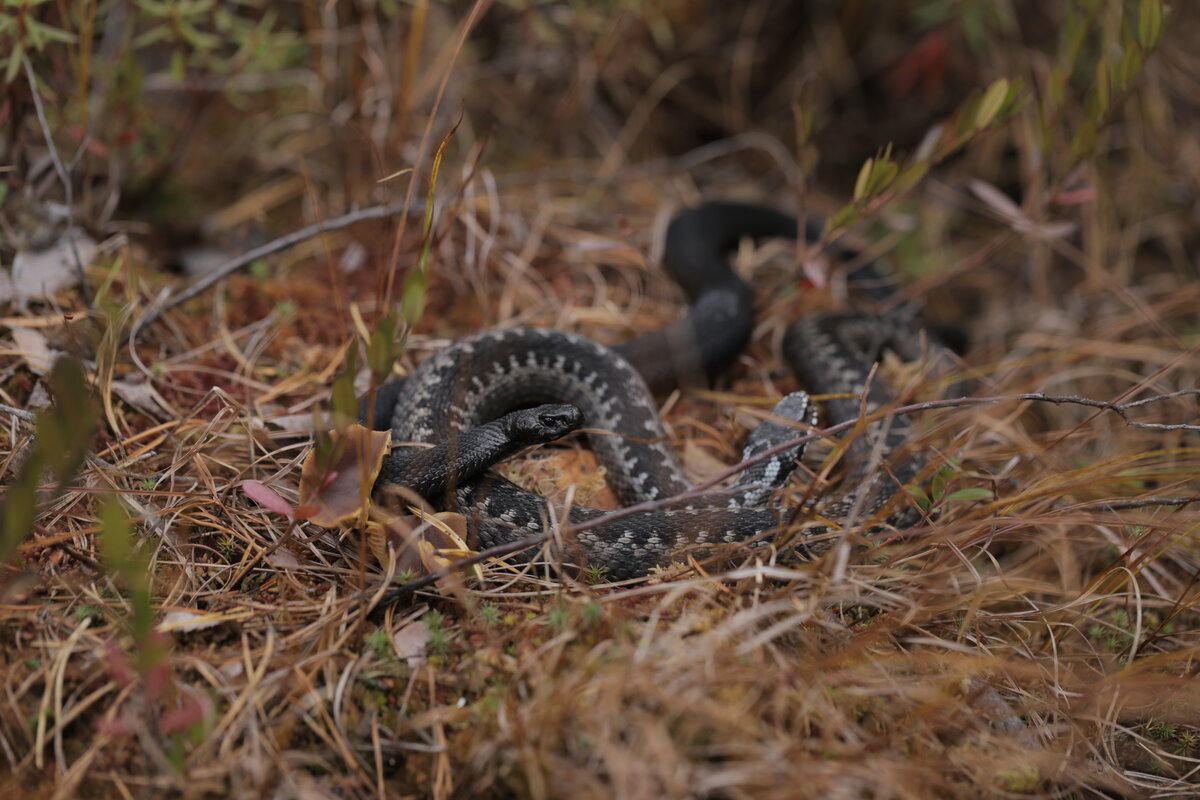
(336,495)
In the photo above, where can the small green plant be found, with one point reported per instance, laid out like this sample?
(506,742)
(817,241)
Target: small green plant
(882,179)
(594,575)
(559,616)
(489,613)
(85,612)
(1117,635)
(132,570)
(941,492)
(228,548)
(62,434)
(181,721)
(22,32)
(379,642)
(439,637)
(1161,731)
(591,613)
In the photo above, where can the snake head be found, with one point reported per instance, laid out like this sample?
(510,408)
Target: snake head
(543,424)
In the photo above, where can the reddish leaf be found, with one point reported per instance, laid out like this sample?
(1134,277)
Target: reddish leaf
(924,66)
(1074,197)
(266,497)
(338,493)
(117,727)
(306,511)
(118,665)
(187,715)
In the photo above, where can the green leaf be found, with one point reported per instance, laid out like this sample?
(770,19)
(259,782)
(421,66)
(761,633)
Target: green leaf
(973,27)
(412,302)
(152,36)
(1085,140)
(20,505)
(844,218)
(1131,65)
(882,176)
(130,565)
(53,34)
(178,66)
(62,434)
(991,104)
(14,64)
(1102,93)
(919,495)
(911,176)
(345,403)
(382,350)
(198,39)
(1150,22)
(941,479)
(967,114)
(970,494)
(863,180)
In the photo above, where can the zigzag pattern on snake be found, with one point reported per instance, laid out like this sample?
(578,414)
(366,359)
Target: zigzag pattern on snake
(479,379)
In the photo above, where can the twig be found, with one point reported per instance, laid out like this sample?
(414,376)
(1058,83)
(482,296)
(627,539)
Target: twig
(282,243)
(19,413)
(537,539)
(1121,408)
(63,176)
(1141,502)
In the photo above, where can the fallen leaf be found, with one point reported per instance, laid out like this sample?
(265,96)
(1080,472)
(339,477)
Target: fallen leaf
(282,559)
(353,257)
(33,347)
(40,274)
(266,497)
(144,397)
(186,619)
(39,398)
(411,643)
(699,462)
(338,491)
(422,543)
(292,423)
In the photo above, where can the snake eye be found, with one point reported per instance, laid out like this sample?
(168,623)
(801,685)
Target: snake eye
(544,423)
(563,418)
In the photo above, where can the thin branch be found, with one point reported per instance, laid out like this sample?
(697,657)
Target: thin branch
(270,248)
(1121,408)
(19,413)
(1141,502)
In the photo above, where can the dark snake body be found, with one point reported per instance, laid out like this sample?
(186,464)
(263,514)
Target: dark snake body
(479,379)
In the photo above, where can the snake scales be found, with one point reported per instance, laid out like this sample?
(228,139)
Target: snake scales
(461,399)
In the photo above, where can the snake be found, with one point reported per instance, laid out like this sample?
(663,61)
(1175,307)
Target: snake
(462,400)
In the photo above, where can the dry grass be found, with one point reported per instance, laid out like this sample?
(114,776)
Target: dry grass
(858,674)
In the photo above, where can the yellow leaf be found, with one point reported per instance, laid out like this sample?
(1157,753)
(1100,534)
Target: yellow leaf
(864,175)
(992,102)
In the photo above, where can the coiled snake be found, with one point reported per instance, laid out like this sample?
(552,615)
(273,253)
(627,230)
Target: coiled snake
(459,397)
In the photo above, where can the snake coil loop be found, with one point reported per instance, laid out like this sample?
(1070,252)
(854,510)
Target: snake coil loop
(458,397)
